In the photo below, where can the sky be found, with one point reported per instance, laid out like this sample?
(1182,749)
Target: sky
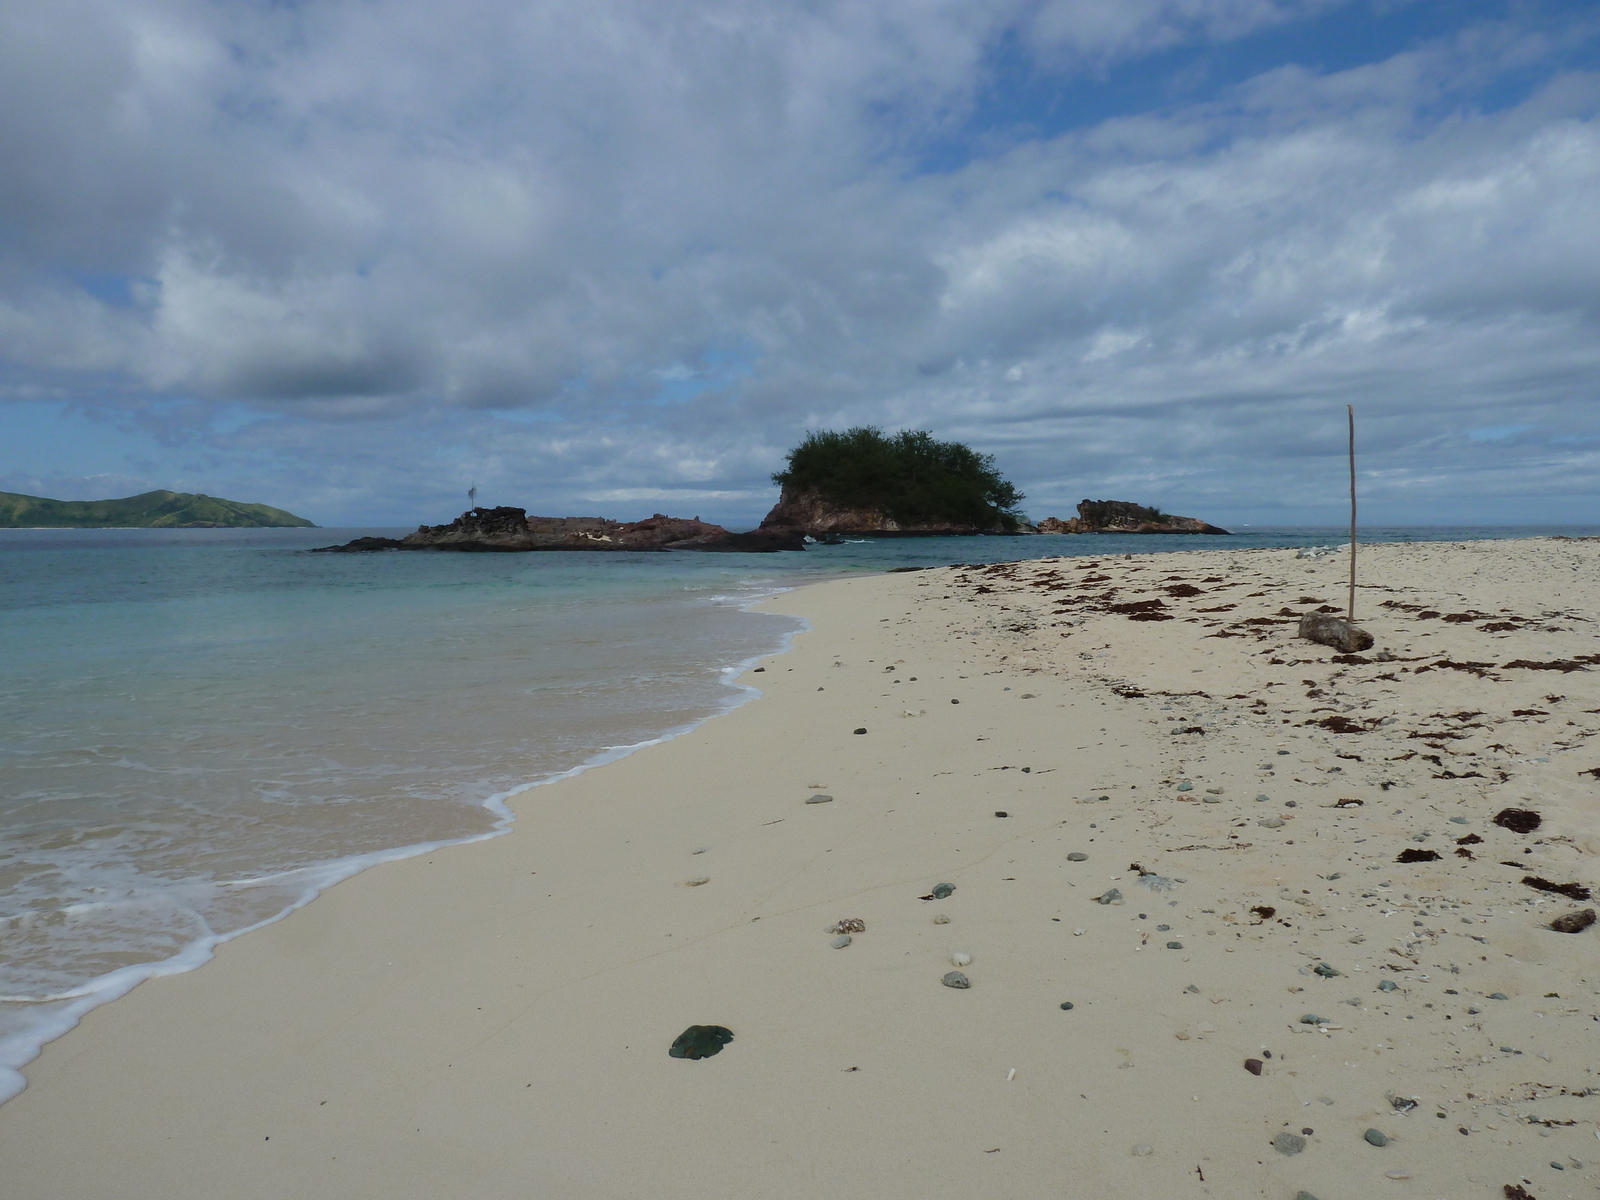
(616,257)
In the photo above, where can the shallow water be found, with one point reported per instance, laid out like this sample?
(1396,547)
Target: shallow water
(203,728)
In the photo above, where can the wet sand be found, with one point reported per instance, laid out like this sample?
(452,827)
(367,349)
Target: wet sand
(493,1019)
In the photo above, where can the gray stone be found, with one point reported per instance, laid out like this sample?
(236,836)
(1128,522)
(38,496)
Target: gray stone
(1108,897)
(1077,856)
(955,979)
(1271,822)
(1186,786)
(1211,799)
(1174,945)
(1376,1137)
(1304,1196)
(1325,970)
(1288,1143)
(1261,797)
(1458,820)
(1388,985)
(840,942)
(941,890)
(1329,630)
(1066,1006)
(819,798)
(1498,996)
(1313,1019)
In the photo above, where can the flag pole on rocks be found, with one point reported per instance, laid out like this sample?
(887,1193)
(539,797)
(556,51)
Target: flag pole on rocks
(1350,607)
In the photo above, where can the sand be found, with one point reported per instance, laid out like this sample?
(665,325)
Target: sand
(492,1020)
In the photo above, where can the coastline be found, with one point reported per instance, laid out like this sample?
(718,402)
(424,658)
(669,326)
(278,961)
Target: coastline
(492,1019)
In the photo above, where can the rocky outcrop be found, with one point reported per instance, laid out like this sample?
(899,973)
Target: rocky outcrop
(805,512)
(1122,516)
(511,530)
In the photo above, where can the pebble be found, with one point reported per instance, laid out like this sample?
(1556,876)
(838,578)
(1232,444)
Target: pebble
(941,919)
(1376,1137)
(941,890)
(1254,1065)
(1397,1175)
(697,881)
(863,729)
(955,979)
(1313,1019)
(1001,813)
(1186,786)
(1288,1143)
(1325,970)
(1213,791)
(1108,897)
(1388,985)
(819,798)
(1304,1196)
(1174,945)
(1262,796)
(1066,1006)
(1498,996)
(958,959)
(1458,820)
(1270,822)
(1143,1151)
(1077,856)
(840,942)
(1212,799)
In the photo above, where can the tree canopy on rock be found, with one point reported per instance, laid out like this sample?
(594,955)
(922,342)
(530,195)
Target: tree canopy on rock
(911,476)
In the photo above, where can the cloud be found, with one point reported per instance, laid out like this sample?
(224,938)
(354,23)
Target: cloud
(593,254)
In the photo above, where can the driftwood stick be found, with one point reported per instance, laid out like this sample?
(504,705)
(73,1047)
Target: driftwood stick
(1350,607)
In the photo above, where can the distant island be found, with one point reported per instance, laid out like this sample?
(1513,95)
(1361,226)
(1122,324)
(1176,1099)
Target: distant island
(151,510)
(1123,516)
(512,530)
(909,484)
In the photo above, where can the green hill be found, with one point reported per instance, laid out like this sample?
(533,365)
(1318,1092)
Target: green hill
(152,510)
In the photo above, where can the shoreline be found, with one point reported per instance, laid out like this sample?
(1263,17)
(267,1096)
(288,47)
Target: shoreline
(494,1020)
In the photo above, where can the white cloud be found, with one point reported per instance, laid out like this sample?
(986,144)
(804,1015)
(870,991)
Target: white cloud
(382,226)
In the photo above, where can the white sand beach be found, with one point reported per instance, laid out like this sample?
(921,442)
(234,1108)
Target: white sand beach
(492,1020)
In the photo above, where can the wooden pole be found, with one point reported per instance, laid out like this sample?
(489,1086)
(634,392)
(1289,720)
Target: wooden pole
(1350,607)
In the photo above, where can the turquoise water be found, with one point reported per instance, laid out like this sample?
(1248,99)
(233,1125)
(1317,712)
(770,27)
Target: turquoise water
(203,728)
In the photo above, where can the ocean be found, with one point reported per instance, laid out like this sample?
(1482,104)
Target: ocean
(202,729)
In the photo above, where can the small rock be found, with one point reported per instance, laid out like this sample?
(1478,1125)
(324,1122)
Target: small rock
(1108,897)
(1186,786)
(1376,1137)
(1458,820)
(863,729)
(1143,1151)
(1313,1019)
(941,890)
(1066,1006)
(1213,791)
(1270,822)
(955,979)
(697,881)
(1174,945)
(1001,813)
(819,798)
(1388,985)
(1498,996)
(1304,1196)
(1288,1143)
(1262,797)
(1573,922)
(1254,1065)
(1212,799)
(1325,970)
(701,1041)
(1077,856)
(1397,1174)
(840,942)
(941,919)
(960,959)
(955,702)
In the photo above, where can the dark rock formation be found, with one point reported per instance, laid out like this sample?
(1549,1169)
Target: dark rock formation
(511,530)
(1122,516)
(1329,630)
(804,512)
